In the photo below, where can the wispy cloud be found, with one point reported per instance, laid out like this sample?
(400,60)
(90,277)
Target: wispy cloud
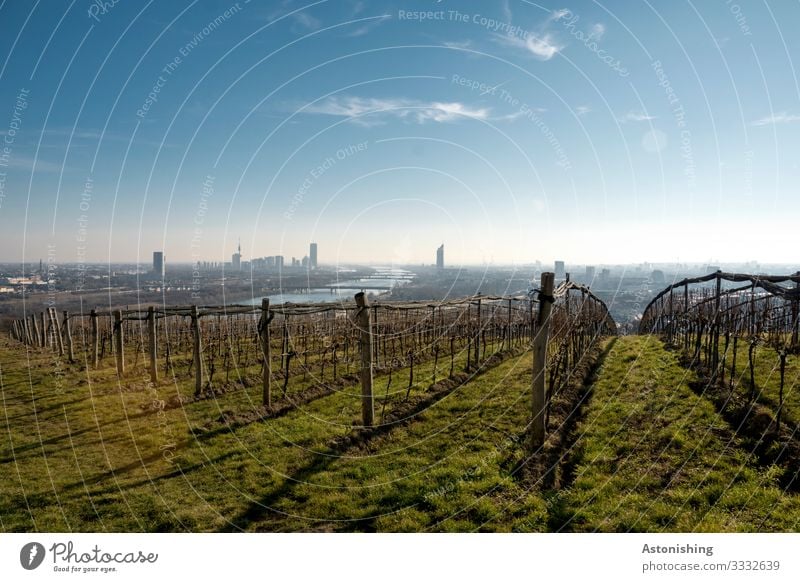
(368,110)
(507,11)
(368,26)
(777,118)
(542,47)
(635,117)
(29,164)
(454,44)
(583,109)
(307,21)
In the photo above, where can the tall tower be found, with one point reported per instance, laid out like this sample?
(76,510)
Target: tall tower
(440,257)
(236,260)
(158,263)
(312,256)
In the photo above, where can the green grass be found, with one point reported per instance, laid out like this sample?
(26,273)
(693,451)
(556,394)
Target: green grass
(654,456)
(79,454)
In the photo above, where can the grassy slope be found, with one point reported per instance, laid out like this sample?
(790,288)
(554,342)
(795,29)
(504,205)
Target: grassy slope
(78,453)
(652,456)
(656,457)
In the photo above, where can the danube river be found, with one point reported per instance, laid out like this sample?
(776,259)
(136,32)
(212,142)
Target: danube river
(344,288)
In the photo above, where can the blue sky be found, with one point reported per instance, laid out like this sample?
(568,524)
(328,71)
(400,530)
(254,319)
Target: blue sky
(511,131)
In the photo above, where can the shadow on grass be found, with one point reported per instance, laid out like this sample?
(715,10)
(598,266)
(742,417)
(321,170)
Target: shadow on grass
(403,415)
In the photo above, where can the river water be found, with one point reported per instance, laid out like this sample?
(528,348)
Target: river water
(345,288)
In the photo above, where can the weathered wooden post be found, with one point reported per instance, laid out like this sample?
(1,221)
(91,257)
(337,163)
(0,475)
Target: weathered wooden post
(198,362)
(68,336)
(266,353)
(95,340)
(43,331)
(151,343)
(780,394)
(796,311)
(540,361)
(715,338)
(35,330)
(478,337)
(364,324)
(119,343)
(56,330)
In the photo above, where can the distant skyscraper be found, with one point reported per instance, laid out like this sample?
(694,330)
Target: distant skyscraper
(440,257)
(560,271)
(158,263)
(279,261)
(236,259)
(312,256)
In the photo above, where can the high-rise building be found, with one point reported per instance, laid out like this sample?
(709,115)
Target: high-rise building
(312,256)
(159,266)
(279,261)
(440,257)
(560,270)
(236,259)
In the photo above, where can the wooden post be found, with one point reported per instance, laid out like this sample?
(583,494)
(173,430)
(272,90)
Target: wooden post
(796,311)
(780,394)
(266,395)
(119,343)
(198,362)
(478,337)
(364,323)
(56,330)
(68,335)
(540,361)
(37,339)
(151,343)
(95,360)
(43,331)
(715,338)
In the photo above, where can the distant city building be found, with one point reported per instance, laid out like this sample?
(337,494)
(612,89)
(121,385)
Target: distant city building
(440,257)
(658,277)
(236,260)
(279,261)
(589,276)
(560,270)
(605,275)
(312,256)
(304,262)
(158,263)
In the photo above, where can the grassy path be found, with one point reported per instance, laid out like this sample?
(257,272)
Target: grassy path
(654,456)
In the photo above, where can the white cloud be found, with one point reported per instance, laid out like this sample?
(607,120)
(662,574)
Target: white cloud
(583,109)
(598,30)
(777,118)
(365,110)
(542,47)
(635,116)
